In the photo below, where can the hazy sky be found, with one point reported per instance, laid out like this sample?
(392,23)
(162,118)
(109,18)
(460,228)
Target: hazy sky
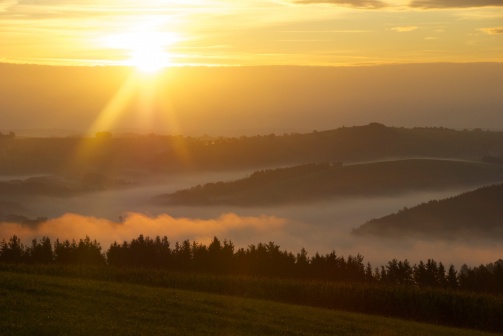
(234,101)
(250,32)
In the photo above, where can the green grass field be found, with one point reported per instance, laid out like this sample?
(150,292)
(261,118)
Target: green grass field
(50,305)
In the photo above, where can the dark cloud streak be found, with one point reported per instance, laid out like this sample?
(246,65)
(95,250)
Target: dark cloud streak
(362,4)
(492,31)
(432,4)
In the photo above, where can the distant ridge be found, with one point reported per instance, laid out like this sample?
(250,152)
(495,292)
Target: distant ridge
(477,213)
(372,142)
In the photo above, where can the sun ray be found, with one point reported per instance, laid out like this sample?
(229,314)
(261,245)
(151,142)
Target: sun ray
(117,105)
(141,97)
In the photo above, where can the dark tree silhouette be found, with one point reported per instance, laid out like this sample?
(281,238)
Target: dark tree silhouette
(40,252)
(12,251)
(86,252)
(265,260)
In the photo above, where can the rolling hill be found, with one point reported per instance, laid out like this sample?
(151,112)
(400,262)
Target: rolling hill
(478,213)
(316,182)
(38,304)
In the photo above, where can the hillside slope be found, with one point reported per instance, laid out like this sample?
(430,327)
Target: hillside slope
(42,305)
(315,182)
(477,213)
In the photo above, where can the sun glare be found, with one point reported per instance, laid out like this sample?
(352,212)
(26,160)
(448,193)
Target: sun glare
(145,49)
(150,59)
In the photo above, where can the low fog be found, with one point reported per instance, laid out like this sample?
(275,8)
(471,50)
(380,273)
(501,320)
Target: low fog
(119,215)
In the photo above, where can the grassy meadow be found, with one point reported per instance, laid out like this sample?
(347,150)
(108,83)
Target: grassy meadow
(36,304)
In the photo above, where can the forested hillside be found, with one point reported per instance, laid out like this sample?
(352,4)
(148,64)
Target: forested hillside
(315,182)
(477,213)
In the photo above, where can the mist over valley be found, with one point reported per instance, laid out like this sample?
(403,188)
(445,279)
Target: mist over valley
(109,188)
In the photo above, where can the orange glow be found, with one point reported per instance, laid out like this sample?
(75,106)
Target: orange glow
(155,34)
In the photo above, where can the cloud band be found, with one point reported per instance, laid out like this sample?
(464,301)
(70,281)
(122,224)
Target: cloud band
(361,4)
(432,4)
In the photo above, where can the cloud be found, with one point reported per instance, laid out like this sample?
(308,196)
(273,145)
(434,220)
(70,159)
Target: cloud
(362,4)
(492,30)
(5,4)
(73,226)
(92,9)
(321,229)
(430,4)
(403,29)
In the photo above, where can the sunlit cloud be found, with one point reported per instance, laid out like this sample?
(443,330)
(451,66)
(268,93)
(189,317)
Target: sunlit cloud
(404,29)
(480,15)
(431,4)
(111,8)
(5,4)
(48,31)
(244,230)
(361,4)
(72,226)
(492,30)
(342,31)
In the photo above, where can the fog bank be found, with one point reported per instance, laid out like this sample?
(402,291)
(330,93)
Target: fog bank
(319,227)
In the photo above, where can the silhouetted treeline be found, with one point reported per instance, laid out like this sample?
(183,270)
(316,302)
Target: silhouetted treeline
(84,252)
(266,260)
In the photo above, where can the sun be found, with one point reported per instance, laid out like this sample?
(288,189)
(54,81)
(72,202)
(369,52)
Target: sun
(150,58)
(145,49)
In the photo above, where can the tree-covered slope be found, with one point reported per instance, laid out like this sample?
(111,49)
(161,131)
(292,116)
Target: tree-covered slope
(477,213)
(315,182)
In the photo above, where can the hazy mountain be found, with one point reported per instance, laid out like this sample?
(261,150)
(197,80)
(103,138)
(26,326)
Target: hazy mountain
(477,213)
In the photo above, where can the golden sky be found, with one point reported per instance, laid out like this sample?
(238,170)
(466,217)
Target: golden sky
(250,32)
